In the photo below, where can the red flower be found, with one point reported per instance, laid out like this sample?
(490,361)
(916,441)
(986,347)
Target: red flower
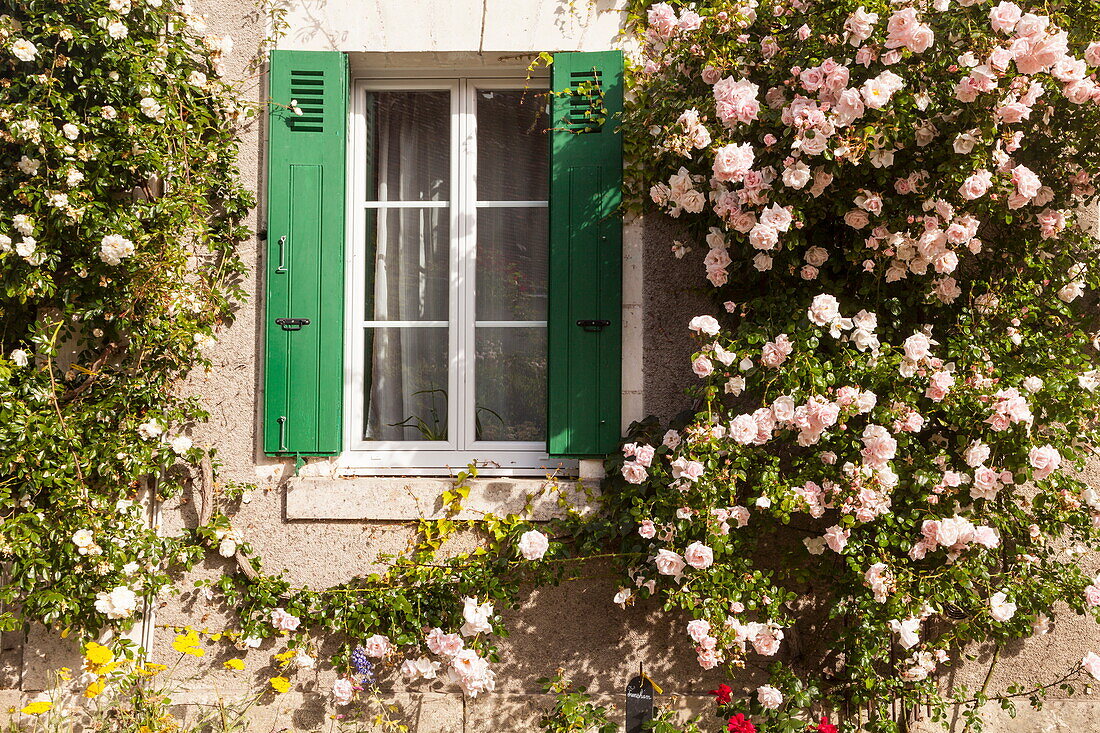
(739,724)
(723,694)
(825,726)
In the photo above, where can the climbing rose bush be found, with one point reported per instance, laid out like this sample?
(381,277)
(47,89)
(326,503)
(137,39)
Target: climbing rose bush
(119,214)
(891,205)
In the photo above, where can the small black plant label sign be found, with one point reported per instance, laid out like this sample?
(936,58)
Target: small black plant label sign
(639,703)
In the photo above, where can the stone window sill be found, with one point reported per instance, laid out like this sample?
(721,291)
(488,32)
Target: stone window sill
(408,499)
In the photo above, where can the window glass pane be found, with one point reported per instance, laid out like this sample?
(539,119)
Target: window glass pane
(511,146)
(406,384)
(511,268)
(407,264)
(510,384)
(408,146)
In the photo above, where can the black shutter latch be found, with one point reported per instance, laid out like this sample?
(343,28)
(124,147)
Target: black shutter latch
(292,324)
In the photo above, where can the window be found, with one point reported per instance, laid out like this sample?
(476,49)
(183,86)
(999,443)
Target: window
(448,274)
(443,267)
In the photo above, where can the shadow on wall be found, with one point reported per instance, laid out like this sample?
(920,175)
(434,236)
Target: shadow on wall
(673,292)
(312,23)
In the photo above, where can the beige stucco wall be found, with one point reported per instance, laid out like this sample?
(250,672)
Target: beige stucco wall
(574,626)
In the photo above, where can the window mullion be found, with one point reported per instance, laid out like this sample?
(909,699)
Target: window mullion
(468,294)
(457,276)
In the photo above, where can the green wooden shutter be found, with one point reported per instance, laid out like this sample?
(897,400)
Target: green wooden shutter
(304,364)
(585,361)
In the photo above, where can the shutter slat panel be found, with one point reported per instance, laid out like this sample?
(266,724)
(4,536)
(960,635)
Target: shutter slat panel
(303,374)
(585,372)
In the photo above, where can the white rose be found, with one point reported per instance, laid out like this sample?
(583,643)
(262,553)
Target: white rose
(118,603)
(20,357)
(117,30)
(823,310)
(476,617)
(180,444)
(533,545)
(113,248)
(24,50)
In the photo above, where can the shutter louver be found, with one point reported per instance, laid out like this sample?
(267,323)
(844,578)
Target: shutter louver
(585,320)
(304,308)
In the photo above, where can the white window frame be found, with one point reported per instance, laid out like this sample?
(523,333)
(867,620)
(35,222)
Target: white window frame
(362,457)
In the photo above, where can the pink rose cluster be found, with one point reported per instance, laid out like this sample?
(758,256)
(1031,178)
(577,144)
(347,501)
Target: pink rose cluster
(905,30)
(954,534)
(764,637)
(811,419)
(664,23)
(736,100)
(634,471)
(1009,408)
(709,655)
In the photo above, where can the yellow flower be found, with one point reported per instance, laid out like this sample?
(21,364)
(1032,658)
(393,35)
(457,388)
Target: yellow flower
(216,637)
(65,673)
(97,654)
(284,657)
(95,688)
(188,644)
(280,684)
(233,664)
(37,708)
(152,668)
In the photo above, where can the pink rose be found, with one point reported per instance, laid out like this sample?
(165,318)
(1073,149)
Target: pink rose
(917,347)
(1004,17)
(837,538)
(284,621)
(702,366)
(342,691)
(699,556)
(446,645)
(688,469)
(698,629)
(377,646)
(732,162)
(770,698)
(662,20)
(704,324)
(856,218)
(634,473)
(669,563)
(976,185)
(646,529)
(1045,460)
(1091,664)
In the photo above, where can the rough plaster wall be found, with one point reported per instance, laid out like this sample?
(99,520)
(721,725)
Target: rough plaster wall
(672,296)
